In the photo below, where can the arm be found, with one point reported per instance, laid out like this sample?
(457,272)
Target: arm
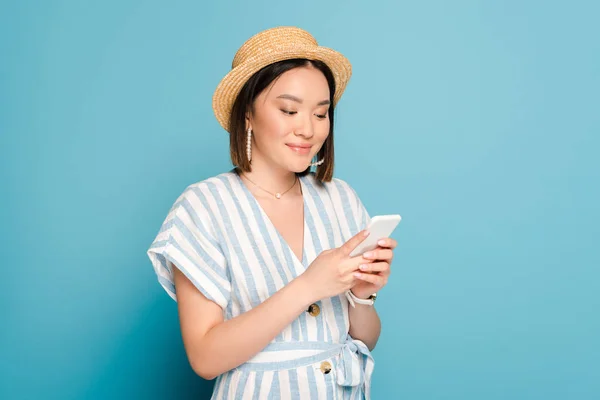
(365,324)
(364,321)
(214,346)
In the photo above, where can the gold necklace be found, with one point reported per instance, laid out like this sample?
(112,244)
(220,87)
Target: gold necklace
(278,194)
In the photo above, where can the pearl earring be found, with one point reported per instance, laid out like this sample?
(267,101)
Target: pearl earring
(316,164)
(249,145)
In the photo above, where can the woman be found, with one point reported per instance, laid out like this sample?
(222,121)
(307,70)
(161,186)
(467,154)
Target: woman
(257,258)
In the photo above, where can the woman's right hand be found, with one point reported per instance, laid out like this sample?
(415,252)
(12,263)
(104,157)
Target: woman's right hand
(332,272)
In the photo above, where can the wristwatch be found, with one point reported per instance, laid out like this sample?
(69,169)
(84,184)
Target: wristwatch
(353,299)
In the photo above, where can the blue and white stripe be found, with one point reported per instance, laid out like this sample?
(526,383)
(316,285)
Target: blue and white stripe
(218,235)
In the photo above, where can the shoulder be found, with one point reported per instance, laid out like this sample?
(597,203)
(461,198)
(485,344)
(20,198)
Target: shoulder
(219,181)
(200,195)
(343,185)
(337,189)
(340,186)
(214,184)
(335,183)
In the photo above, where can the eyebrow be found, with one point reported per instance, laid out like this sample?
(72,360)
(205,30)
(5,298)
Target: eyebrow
(299,100)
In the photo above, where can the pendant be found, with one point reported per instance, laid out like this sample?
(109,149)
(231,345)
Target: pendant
(278,195)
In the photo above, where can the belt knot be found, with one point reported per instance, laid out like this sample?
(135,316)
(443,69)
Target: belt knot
(356,364)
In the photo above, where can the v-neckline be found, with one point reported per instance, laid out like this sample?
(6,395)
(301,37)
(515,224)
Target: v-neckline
(305,230)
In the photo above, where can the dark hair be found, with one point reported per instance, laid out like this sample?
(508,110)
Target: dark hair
(245,101)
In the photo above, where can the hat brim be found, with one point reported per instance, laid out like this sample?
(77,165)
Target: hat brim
(230,86)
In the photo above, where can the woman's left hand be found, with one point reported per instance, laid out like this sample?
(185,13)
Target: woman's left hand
(375,271)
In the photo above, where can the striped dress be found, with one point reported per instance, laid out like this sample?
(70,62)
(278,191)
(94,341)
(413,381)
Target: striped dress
(222,240)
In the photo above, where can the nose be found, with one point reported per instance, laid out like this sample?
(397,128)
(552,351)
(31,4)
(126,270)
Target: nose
(305,128)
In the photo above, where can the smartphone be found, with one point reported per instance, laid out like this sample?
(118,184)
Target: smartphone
(380,227)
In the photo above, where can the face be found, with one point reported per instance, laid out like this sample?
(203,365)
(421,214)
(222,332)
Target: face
(290,120)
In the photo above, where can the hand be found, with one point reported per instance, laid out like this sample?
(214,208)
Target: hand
(376,271)
(332,272)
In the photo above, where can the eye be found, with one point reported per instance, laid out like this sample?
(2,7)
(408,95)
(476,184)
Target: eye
(321,116)
(289,112)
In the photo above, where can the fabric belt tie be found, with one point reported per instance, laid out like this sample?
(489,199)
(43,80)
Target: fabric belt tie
(355,365)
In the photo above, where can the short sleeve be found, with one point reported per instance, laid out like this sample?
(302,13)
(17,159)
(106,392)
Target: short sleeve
(362,215)
(186,240)
(353,208)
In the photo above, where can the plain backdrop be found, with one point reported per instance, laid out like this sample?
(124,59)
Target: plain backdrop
(477,121)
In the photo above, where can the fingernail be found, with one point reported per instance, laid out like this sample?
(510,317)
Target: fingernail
(362,267)
(381,242)
(357,274)
(367,254)
(366,233)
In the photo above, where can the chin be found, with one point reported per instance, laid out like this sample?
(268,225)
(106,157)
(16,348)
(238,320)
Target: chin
(298,167)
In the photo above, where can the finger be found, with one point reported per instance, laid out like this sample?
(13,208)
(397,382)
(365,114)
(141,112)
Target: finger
(375,267)
(354,263)
(387,243)
(371,278)
(379,254)
(354,241)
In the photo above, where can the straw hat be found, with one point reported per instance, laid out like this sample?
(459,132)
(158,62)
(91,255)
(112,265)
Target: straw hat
(268,47)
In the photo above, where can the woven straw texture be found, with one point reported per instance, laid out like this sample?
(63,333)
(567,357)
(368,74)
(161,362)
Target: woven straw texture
(268,47)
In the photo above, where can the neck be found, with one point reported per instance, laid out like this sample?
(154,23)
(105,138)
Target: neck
(270,177)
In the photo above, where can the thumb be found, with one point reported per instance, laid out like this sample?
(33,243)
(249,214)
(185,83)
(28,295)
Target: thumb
(354,241)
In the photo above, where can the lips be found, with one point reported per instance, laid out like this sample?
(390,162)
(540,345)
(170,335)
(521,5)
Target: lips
(299,148)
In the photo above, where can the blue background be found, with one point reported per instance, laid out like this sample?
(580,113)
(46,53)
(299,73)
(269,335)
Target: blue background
(477,121)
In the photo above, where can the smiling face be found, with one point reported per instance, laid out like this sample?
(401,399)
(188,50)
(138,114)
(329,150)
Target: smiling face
(290,119)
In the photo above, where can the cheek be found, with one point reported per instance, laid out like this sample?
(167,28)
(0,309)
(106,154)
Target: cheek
(274,125)
(322,132)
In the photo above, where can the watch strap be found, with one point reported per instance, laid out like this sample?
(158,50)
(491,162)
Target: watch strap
(352,299)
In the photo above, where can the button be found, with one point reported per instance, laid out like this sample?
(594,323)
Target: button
(325,367)
(314,310)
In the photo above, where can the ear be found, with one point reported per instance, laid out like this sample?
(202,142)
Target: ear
(248,120)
